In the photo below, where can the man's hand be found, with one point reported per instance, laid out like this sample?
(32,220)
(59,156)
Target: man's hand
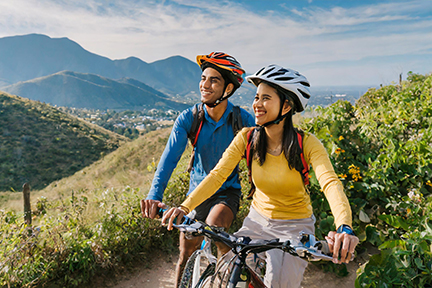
(345,241)
(173,214)
(149,208)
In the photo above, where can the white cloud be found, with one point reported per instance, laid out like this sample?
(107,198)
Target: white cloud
(156,30)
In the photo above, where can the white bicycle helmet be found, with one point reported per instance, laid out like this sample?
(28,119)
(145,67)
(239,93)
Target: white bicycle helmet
(287,79)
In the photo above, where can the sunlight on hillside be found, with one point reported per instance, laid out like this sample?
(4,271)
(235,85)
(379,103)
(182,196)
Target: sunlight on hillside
(127,166)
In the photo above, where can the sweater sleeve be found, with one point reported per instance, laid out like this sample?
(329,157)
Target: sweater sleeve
(316,155)
(214,180)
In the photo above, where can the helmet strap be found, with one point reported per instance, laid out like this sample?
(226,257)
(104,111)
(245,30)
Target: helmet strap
(278,119)
(222,98)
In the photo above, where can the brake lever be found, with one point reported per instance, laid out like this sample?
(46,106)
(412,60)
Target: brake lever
(311,255)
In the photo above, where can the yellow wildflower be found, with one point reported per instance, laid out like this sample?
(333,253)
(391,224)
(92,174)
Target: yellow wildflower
(355,172)
(352,169)
(339,150)
(429,183)
(341,138)
(356,177)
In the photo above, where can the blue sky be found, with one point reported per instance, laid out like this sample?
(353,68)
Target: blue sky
(330,42)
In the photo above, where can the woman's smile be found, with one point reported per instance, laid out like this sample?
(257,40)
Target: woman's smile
(266,104)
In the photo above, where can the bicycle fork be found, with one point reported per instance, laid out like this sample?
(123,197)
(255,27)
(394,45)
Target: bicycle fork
(248,280)
(235,275)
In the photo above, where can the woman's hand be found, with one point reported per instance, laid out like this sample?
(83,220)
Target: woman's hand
(173,214)
(345,241)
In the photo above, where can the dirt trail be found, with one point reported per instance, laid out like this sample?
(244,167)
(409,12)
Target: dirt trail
(161,275)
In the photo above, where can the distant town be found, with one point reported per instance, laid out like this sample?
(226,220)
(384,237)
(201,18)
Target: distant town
(128,123)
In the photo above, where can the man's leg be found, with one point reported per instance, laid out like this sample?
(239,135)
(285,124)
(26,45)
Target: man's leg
(187,247)
(220,216)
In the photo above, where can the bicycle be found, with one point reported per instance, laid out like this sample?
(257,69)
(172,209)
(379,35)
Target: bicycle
(232,270)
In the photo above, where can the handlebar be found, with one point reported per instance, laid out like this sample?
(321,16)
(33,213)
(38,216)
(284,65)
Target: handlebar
(309,247)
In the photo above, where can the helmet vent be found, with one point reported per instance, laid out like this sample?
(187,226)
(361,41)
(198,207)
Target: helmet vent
(284,78)
(305,95)
(260,71)
(305,84)
(268,71)
(278,73)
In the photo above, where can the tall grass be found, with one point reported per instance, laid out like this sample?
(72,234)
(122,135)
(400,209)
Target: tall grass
(79,231)
(127,166)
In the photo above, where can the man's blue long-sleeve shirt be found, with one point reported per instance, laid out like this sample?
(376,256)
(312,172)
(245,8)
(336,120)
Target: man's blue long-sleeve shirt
(212,141)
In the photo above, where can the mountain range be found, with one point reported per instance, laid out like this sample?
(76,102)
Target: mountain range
(79,90)
(30,57)
(61,72)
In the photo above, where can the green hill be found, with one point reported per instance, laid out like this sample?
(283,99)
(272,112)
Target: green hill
(130,165)
(40,144)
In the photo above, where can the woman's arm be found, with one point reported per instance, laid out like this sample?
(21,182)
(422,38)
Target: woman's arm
(212,182)
(341,244)
(316,155)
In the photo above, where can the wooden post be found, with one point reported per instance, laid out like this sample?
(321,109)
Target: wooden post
(27,207)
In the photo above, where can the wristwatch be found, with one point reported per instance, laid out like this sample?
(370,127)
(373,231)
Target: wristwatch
(345,229)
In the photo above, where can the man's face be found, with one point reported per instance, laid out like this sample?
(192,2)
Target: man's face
(211,85)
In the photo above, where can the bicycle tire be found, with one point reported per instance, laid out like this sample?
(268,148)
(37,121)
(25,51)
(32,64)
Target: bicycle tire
(190,274)
(206,276)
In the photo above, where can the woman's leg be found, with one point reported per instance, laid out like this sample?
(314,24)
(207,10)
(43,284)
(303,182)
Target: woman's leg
(283,270)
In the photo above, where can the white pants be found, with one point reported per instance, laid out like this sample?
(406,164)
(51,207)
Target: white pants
(283,270)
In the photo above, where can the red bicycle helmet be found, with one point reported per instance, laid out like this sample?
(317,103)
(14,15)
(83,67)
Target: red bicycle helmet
(226,62)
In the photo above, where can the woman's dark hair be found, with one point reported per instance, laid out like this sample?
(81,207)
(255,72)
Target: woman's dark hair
(290,143)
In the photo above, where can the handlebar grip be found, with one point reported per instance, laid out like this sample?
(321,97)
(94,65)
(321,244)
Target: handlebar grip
(161,211)
(186,220)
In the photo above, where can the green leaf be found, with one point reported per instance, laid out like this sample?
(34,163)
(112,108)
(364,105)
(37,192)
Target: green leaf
(392,244)
(419,263)
(395,221)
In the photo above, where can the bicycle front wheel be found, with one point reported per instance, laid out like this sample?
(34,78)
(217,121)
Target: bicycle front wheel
(197,269)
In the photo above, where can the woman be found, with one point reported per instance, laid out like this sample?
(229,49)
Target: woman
(281,207)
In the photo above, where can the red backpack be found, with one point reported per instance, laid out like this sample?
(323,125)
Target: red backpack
(249,153)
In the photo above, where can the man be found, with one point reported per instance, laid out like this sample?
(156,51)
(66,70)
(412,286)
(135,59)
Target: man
(221,76)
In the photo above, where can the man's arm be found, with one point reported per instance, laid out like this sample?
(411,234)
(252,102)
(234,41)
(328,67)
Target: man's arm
(173,150)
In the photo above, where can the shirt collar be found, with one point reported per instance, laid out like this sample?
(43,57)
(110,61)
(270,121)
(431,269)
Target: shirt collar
(224,116)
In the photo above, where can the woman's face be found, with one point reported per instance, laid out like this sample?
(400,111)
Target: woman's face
(266,104)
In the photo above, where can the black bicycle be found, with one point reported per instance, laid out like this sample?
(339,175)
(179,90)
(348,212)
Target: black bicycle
(241,267)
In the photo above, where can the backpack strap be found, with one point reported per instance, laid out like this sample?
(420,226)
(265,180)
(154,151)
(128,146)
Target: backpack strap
(305,171)
(197,123)
(235,119)
(198,118)
(249,156)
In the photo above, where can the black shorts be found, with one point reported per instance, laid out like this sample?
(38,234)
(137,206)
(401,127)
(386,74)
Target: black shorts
(229,197)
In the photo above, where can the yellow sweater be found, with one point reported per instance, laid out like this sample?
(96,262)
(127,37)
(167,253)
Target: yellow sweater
(280,193)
